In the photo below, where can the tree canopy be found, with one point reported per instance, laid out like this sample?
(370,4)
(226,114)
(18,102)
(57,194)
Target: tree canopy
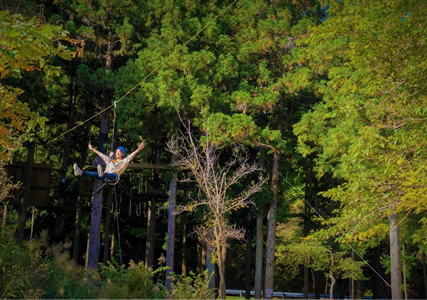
(328,98)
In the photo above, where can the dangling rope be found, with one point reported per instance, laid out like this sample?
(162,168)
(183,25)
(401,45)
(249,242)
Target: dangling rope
(115,190)
(118,228)
(114,126)
(138,208)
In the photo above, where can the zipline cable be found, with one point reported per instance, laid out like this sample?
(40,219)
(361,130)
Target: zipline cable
(145,78)
(320,216)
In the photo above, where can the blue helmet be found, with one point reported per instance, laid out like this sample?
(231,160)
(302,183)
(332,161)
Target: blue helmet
(122,149)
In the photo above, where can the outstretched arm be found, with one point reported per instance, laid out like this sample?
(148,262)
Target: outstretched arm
(132,155)
(93,149)
(140,147)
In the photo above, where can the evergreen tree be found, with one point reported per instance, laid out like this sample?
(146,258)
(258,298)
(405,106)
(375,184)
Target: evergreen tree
(369,128)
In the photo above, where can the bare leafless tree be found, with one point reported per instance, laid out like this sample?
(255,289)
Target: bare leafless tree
(200,158)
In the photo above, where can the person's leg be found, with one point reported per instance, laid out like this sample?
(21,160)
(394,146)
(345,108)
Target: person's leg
(110,177)
(100,171)
(106,177)
(77,170)
(91,175)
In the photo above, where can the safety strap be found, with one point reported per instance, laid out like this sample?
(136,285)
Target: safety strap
(114,126)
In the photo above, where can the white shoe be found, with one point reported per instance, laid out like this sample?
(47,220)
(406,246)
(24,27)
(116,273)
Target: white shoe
(100,171)
(77,170)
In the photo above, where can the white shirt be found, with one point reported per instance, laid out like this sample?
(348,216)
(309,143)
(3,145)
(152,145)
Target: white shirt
(116,165)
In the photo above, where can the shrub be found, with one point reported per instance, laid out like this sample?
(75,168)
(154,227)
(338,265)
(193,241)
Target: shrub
(19,266)
(195,286)
(34,270)
(64,278)
(136,282)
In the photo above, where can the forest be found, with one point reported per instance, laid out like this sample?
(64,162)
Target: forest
(284,148)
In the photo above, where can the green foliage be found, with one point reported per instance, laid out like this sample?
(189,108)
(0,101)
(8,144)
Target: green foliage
(64,279)
(252,74)
(195,286)
(36,270)
(135,282)
(368,132)
(26,45)
(318,256)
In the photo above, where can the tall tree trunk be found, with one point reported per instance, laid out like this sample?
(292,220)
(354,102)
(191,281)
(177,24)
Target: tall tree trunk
(110,205)
(248,272)
(79,207)
(95,225)
(271,224)
(107,226)
(258,252)
(395,272)
(95,221)
(220,263)
(259,239)
(26,197)
(331,275)
(308,191)
(224,259)
(170,253)
(351,283)
(184,244)
(210,266)
(151,218)
(77,230)
(358,289)
(95,228)
(59,222)
(425,275)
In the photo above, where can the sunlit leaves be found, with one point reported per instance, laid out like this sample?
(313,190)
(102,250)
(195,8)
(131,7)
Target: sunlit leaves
(370,128)
(26,43)
(26,46)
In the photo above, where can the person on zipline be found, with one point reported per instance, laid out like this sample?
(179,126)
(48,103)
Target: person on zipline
(114,167)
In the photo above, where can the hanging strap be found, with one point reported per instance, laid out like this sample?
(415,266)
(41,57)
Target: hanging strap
(114,126)
(118,228)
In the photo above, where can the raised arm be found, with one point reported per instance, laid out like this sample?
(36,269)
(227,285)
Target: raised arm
(140,147)
(93,149)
